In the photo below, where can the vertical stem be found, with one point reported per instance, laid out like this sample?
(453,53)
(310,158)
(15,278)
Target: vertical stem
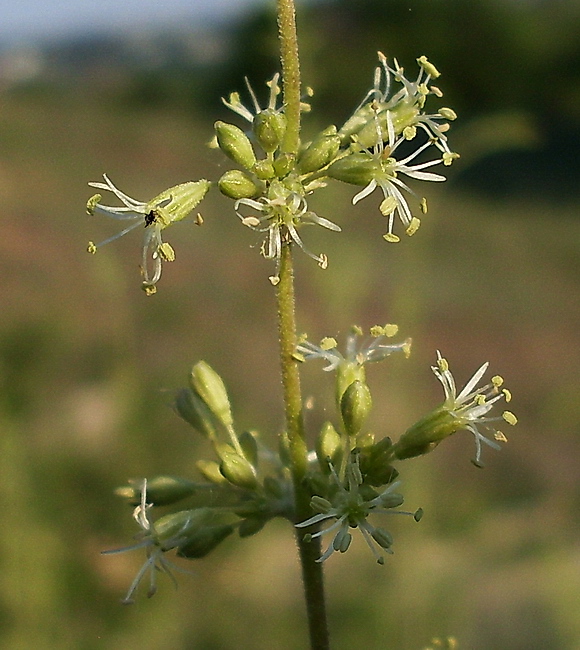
(290,73)
(309,551)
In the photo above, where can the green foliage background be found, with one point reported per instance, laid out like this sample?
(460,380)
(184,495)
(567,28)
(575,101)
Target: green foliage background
(88,364)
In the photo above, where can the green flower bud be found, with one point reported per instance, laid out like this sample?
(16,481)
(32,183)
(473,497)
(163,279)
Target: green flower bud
(235,144)
(204,540)
(264,170)
(251,525)
(284,164)
(161,490)
(269,128)
(328,446)
(356,169)
(249,446)
(355,406)
(320,152)
(236,184)
(194,411)
(238,471)
(210,470)
(205,381)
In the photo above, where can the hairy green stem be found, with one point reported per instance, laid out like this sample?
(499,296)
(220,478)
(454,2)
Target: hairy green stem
(309,551)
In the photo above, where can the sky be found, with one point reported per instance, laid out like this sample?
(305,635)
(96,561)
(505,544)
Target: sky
(26,20)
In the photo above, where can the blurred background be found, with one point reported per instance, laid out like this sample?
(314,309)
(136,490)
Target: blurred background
(89,364)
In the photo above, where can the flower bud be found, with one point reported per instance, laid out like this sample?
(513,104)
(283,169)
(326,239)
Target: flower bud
(205,381)
(238,471)
(251,525)
(328,446)
(204,539)
(235,144)
(236,184)
(210,470)
(249,446)
(320,152)
(194,411)
(283,164)
(161,490)
(264,170)
(269,128)
(355,406)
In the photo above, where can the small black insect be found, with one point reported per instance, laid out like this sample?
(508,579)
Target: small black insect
(150,218)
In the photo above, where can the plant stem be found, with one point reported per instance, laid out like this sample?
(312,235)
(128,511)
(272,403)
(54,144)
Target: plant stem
(309,551)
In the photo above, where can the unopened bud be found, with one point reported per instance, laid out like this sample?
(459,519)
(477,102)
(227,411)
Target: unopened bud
(203,540)
(269,127)
(355,406)
(235,144)
(249,446)
(205,381)
(264,170)
(283,164)
(321,152)
(238,471)
(210,470)
(236,184)
(194,411)
(328,446)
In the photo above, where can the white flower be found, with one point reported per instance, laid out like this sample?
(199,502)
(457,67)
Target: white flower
(350,509)
(280,214)
(154,546)
(371,350)
(470,407)
(166,208)
(385,175)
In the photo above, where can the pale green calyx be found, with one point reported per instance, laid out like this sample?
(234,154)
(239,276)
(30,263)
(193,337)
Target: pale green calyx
(466,410)
(167,208)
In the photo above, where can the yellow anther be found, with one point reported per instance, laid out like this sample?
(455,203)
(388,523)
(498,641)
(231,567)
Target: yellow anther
(91,248)
(391,237)
(92,203)
(328,343)
(497,381)
(443,365)
(509,417)
(507,394)
(388,206)
(413,226)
